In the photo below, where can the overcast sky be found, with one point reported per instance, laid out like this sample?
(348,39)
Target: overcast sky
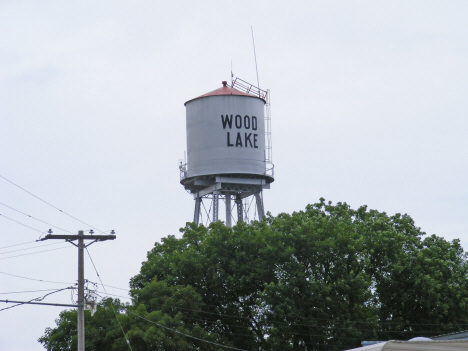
(369,106)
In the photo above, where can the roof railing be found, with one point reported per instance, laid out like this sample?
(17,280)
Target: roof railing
(248,88)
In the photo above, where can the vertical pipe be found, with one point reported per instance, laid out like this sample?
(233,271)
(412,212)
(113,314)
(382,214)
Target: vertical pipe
(259,201)
(240,209)
(228,210)
(215,205)
(196,215)
(81,327)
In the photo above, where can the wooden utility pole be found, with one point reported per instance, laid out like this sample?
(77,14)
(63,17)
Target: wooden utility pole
(81,246)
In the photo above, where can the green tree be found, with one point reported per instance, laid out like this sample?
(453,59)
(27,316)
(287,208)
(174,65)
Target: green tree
(175,307)
(322,286)
(322,279)
(228,268)
(425,291)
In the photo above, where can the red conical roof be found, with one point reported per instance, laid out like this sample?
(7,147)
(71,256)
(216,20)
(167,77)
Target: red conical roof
(224,90)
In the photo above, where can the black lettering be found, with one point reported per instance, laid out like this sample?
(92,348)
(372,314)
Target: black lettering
(255,141)
(239,140)
(226,121)
(254,123)
(238,121)
(229,140)
(247,139)
(246,122)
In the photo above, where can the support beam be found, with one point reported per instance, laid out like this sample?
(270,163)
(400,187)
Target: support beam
(228,210)
(209,190)
(249,181)
(259,201)
(202,182)
(229,187)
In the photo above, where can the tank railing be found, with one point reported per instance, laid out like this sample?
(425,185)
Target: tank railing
(270,169)
(268,141)
(183,170)
(248,88)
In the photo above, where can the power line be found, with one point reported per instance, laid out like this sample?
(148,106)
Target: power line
(288,324)
(49,281)
(282,332)
(36,299)
(309,318)
(29,248)
(124,297)
(383,323)
(22,292)
(297,324)
(37,230)
(37,219)
(37,280)
(47,203)
(299,334)
(200,311)
(249,328)
(115,313)
(114,287)
(224,315)
(189,336)
(29,242)
(293,316)
(33,253)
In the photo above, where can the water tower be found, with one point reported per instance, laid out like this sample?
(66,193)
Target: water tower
(228,151)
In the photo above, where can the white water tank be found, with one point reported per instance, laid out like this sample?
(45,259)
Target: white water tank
(225,135)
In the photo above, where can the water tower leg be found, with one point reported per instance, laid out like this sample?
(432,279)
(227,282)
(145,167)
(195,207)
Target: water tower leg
(196,216)
(215,205)
(240,209)
(228,210)
(259,201)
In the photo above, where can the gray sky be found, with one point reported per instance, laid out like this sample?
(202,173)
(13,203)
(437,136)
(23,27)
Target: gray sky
(368,104)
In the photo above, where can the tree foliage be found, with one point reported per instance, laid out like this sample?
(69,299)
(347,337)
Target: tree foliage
(325,278)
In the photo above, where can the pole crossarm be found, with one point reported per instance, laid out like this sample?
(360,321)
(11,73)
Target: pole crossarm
(76,237)
(39,303)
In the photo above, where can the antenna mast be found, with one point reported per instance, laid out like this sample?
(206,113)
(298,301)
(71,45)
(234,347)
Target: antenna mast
(255,55)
